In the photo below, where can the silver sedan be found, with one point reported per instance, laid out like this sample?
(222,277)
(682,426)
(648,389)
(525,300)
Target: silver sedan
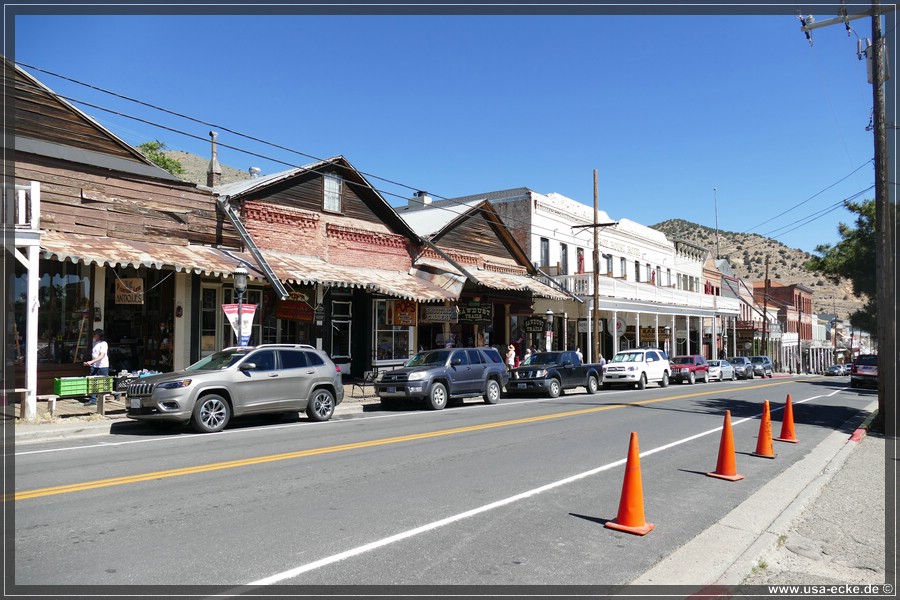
(720,370)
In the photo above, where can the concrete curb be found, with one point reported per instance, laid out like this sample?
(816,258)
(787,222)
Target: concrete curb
(75,428)
(733,546)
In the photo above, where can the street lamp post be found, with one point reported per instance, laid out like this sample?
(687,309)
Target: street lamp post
(240,286)
(549,334)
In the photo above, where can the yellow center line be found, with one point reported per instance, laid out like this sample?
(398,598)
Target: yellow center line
(101,483)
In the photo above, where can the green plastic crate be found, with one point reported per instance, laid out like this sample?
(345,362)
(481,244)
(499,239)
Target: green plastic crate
(70,386)
(99,384)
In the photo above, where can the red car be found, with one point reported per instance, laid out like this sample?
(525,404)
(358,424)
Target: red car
(864,371)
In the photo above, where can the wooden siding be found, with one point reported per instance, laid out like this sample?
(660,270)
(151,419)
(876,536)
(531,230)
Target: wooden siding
(307,192)
(42,116)
(475,235)
(91,201)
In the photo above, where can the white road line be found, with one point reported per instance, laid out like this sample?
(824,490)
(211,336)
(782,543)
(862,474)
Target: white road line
(273,579)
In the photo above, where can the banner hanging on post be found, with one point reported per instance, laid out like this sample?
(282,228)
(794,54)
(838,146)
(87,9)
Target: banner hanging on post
(248,311)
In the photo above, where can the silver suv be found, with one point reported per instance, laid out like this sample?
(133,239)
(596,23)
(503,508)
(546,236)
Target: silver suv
(270,378)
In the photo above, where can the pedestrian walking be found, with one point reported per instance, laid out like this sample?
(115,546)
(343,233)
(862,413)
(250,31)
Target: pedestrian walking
(511,357)
(99,362)
(579,354)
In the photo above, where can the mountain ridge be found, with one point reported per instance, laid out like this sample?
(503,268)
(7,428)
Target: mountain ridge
(747,252)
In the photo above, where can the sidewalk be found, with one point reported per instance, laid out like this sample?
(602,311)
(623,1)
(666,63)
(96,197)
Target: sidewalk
(821,522)
(74,419)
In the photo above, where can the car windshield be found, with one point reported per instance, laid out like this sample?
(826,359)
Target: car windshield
(628,357)
(428,358)
(544,358)
(682,360)
(219,360)
(757,359)
(714,363)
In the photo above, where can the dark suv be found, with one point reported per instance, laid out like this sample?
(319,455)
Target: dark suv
(864,371)
(436,376)
(690,368)
(762,366)
(271,378)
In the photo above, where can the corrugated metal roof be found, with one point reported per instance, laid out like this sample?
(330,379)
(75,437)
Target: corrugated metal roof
(305,270)
(502,281)
(426,223)
(113,252)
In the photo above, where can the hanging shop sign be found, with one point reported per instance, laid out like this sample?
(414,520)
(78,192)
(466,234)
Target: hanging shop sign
(535,325)
(295,307)
(439,314)
(130,290)
(404,313)
(476,312)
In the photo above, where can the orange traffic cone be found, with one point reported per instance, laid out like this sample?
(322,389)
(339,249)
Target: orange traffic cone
(726,467)
(631,505)
(787,424)
(764,441)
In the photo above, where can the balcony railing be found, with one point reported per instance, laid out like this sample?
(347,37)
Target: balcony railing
(582,285)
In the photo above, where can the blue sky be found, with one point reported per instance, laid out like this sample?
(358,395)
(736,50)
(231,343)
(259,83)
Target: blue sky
(665,108)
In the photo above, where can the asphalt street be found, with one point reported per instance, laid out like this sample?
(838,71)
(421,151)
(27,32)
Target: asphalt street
(822,519)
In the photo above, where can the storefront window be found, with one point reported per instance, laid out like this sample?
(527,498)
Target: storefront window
(392,340)
(65,316)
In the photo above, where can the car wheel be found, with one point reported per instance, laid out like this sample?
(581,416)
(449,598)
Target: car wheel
(492,393)
(706,377)
(750,376)
(211,413)
(591,384)
(665,380)
(437,397)
(321,406)
(642,382)
(554,389)
(732,376)
(771,374)
(692,379)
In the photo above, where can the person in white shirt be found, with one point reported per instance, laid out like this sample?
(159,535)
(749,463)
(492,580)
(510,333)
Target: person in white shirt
(99,362)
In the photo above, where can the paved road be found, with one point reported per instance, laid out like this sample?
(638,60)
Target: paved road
(508,494)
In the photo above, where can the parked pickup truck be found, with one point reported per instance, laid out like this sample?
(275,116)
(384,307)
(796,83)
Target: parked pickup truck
(436,376)
(550,373)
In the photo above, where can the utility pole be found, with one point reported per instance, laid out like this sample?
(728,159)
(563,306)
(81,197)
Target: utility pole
(765,341)
(596,311)
(884,206)
(595,317)
(716,206)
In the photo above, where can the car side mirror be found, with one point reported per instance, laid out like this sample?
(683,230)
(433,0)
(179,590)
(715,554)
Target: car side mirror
(247,366)
(456,361)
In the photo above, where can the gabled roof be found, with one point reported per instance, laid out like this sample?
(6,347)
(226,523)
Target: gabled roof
(434,222)
(46,124)
(366,191)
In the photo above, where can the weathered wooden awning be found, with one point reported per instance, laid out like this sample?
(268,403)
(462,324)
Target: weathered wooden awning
(305,270)
(116,252)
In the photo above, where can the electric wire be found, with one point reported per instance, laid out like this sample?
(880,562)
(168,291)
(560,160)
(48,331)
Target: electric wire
(445,205)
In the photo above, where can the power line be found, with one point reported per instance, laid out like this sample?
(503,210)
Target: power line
(449,203)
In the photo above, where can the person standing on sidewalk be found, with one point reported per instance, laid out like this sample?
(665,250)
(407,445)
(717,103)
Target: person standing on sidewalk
(99,362)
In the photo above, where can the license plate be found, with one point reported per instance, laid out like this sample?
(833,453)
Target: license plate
(135,402)
(391,390)
(521,386)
